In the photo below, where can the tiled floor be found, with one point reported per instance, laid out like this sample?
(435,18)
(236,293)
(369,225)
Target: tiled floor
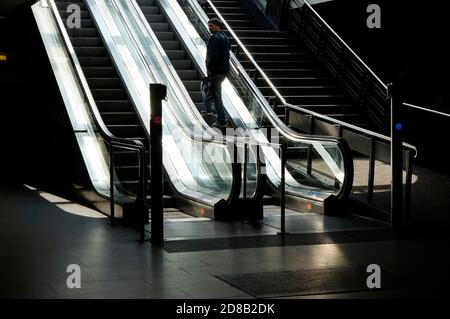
(42,234)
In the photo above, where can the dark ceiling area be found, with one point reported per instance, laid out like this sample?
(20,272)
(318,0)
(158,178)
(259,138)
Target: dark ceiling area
(411,42)
(7,5)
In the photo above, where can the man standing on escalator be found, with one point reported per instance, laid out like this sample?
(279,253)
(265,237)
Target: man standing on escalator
(218,66)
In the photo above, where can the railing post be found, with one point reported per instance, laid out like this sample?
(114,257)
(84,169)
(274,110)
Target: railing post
(245,169)
(310,150)
(408,184)
(396,158)
(157,94)
(142,194)
(283,154)
(371,177)
(111,185)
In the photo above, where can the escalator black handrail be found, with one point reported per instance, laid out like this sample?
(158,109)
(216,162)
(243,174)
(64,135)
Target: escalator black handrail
(341,143)
(112,140)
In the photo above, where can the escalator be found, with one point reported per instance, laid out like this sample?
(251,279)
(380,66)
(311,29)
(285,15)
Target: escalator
(179,57)
(109,112)
(289,65)
(319,170)
(109,93)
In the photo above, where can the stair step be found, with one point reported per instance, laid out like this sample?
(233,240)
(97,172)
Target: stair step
(84,14)
(164,35)
(126,130)
(114,105)
(182,64)
(155,18)
(120,118)
(145,2)
(188,75)
(259,33)
(192,85)
(87,51)
(310,99)
(86,42)
(292,72)
(95,71)
(301,64)
(273,48)
(176,54)
(170,44)
(266,41)
(295,81)
(82,32)
(328,108)
(109,94)
(146,10)
(283,56)
(104,83)
(63,5)
(300,90)
(160,26)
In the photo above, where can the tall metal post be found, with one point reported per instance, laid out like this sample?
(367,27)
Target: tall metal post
(395,95)
(157,94)
(111,185)
(283,154)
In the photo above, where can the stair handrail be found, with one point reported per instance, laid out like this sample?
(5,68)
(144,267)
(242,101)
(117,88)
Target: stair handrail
(421,108)
(306,2)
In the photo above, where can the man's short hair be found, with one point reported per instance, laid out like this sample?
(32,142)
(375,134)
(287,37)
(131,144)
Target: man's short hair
(216,22)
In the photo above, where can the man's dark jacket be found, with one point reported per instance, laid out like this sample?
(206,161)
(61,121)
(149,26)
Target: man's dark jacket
(218,54)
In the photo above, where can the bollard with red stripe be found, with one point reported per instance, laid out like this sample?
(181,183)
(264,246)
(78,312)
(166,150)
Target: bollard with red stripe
(157,94)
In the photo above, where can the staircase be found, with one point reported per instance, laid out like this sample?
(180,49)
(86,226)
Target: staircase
(108,91)
(297,75)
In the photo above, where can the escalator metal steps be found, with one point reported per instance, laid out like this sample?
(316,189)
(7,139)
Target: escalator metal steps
(107,89)
(174,49)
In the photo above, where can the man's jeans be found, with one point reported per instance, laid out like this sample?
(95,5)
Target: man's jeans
(216,96)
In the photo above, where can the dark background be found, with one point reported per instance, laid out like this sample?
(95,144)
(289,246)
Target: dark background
(413,38)
(412,44)
(37,144)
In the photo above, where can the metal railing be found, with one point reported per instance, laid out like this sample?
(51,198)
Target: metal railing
(426,109)
(108,137)
(350,71)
